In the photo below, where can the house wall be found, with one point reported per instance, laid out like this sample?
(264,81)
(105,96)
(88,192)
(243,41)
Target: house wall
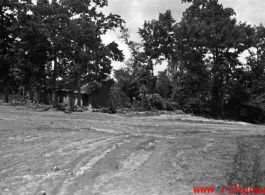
(100,97)
(97,99)
(70,98)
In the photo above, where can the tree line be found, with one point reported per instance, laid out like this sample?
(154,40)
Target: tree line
(204,74)
(55,44)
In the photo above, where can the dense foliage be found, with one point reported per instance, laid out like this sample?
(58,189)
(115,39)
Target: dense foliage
(53,44)
(204,74)
(57,44)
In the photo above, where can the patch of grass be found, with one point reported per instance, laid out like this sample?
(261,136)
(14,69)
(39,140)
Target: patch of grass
(247,162)
(47,128)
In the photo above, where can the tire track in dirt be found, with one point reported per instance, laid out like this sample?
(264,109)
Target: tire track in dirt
(129,165)
(120,161)
(32,184)
(77,144)
(124,178)
(248,170)
(154,155)
(95,159)
(86,163)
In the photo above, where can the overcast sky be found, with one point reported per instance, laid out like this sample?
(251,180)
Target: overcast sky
(135,12)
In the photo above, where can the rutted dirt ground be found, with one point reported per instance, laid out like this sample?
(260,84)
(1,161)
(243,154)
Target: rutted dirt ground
(93,153)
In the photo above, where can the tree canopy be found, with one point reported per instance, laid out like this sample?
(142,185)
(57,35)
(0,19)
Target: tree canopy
(53,41)
(57,44)
(204,74)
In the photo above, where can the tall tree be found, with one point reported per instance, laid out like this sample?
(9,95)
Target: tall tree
(158,42)
(164,85)
(214,34)
(8,20)
(54,20)
(90,58)
(135,80)
(33,48)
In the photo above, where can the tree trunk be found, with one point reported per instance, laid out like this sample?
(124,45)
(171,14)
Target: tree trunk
(3,62)
(30,92)
(224,96)
(79,96)
(39,95)
(6,93)
(216,86)
(79,91)
(24,94)
(215,97)
(54,93)
(131,99)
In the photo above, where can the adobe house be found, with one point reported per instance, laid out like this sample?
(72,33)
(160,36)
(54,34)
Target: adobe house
(99,98)
(69,97)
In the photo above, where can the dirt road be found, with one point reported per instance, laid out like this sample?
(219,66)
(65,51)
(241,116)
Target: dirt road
(54,153)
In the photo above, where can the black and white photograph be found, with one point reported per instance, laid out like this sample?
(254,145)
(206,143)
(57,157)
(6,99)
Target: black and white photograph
(139,97)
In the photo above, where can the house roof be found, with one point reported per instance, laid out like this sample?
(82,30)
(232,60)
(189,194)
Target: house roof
(87,89)
(83,90)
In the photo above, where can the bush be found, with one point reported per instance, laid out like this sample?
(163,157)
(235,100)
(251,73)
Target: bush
(248,112)
(170,106)
(154,101)
(112,106)
(196,106)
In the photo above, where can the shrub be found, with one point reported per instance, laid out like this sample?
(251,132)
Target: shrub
(196,106)
(170,106)
(154,101)
(249,112)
